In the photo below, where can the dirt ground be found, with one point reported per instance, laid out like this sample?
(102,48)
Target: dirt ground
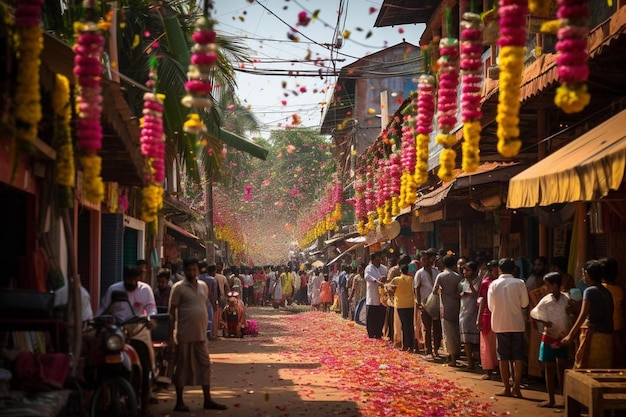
(258,376)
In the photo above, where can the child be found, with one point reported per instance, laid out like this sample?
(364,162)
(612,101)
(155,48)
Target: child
(233,318)
(551,311)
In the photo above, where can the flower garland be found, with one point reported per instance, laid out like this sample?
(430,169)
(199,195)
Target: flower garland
(447,105)
(153,147)
(408,186)
(572,70)
(65,169)
(27,96)
(360,208)
(370,197)
(540,7)
(203,58)
(512,41)
(394,168)
(471,79)
(425,115)
(87,69)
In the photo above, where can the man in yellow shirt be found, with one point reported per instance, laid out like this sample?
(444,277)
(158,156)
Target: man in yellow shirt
(287,284)
(402,289)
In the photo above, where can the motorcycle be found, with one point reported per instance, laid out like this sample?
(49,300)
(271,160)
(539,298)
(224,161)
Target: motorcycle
(112,366)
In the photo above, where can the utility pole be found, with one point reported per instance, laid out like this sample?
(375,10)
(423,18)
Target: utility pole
(208,220)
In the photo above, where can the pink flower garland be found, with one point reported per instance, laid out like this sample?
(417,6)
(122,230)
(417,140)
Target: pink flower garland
(203,58)
(370,197)
(424,125)
(447,105)
(394,167)
(152,138)
(87,69)
(471,79)
(572,68)
(408,186)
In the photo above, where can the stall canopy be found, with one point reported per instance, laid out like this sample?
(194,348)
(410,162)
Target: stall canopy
(182,233)
(351,248)
(583,170)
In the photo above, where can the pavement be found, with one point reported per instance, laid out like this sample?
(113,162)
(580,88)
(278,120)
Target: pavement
(278,373)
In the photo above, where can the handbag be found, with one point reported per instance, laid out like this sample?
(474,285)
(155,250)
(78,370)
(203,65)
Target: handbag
(432,306)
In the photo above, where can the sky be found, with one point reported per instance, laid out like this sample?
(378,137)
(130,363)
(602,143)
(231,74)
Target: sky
(269,90)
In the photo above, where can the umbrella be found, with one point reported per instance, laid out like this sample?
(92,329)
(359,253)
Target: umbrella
(317,264)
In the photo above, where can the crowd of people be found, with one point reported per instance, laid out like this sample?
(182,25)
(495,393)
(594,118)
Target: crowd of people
(486,311)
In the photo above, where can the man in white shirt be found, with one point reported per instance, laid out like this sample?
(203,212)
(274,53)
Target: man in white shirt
(141,298)
(423,286)
(375,276)
(507,298)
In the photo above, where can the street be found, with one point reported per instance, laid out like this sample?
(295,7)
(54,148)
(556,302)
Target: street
(317,364)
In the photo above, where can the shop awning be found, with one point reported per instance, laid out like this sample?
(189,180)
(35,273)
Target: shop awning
(351,248)
(434,197)
(583,170)
(180,232)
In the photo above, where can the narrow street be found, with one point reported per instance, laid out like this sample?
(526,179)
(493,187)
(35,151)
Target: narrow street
(317,364)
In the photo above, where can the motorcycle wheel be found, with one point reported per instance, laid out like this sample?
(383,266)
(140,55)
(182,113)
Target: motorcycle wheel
(115,397)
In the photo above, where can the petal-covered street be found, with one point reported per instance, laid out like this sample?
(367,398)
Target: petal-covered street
(317,364)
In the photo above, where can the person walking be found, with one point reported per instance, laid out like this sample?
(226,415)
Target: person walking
(401,288)
(507,297)
(343,291)
(375,276)
(423,286)
(469,311)
(188,323)
(447,285)
(488,357)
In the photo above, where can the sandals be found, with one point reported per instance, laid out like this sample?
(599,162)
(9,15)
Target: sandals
(212,405)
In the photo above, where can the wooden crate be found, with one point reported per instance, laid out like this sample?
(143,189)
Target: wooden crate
(597,389)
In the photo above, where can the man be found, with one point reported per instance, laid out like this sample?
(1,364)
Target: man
(141,298)
(211,284)
(423,283)
(375,276)
(222,284)
(188,323)
(540,268)
(143,266)
(447,285)
(536,291)
(507,298)
(343,291)
(286,284)
(393,271)
(162,291)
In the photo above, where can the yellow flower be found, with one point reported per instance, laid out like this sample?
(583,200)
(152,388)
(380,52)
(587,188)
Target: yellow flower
(27,97)
(511,60)
(421,167)
(471,151)
(446,140)
(151,202)
(540,7)
(446,165)
(572,98)
(194,124)
(93,187)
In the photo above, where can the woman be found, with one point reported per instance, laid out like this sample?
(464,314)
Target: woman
(595,322)
(619,329)
(314,291)
(488,357)
(326,295)
(469,310)
(358,287)
(402,290)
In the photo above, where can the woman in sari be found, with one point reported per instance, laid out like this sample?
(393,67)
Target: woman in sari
(469,310)
(595,322)
(488,357)
(326,295)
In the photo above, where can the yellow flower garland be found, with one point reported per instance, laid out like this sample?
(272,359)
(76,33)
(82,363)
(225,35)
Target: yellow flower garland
(65,169)
(421,166)
(151,202)
(511,59)
(572,99)
(447,161)
(93,187)
(27,97)
(471,151)
(540,7)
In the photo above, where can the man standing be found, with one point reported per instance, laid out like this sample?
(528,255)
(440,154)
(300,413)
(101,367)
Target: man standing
(343,291)
(375,276)
(211,284)
(423,283)
(447,284)
(507,298)
(162,291)
(188,323)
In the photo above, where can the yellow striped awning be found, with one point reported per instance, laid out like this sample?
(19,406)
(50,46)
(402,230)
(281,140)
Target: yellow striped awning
(583,170)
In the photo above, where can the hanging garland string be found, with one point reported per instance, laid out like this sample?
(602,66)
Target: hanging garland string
(572,70)
(87,69)
(153,147)
(62,141)
(408,186)
(512,41)
(471,80)
(447,102)
(425,116)
(29,46)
